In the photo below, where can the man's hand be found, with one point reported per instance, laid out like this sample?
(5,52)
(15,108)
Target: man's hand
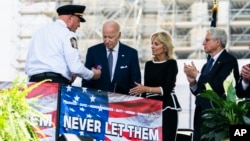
(191,70)
(245,73)
(191,73)
(97,73)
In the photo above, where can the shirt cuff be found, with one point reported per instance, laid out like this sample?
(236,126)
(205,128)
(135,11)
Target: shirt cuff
(161,91)
(244,85)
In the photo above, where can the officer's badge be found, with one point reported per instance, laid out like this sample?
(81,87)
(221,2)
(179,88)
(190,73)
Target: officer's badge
(73,42)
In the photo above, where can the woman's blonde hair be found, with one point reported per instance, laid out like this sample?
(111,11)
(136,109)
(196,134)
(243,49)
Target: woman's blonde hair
(165,38)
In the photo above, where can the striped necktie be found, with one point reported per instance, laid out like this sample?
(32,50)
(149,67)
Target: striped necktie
(110,61)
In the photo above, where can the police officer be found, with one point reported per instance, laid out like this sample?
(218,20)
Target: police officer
(53,51)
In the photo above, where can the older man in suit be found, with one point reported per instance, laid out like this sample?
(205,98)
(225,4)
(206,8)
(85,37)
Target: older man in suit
(220,64)
(119,63)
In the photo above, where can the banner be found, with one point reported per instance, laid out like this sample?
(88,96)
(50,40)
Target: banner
(109,116)
(47,104)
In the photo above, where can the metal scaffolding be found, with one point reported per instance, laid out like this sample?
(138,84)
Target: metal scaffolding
(185,20)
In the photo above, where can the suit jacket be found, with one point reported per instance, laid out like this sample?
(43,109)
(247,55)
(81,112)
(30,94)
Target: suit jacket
(127,70)
(240,92)
(224,65)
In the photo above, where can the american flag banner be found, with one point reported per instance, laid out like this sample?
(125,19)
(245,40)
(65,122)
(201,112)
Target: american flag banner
(46,103)
(45,100)
(106,116)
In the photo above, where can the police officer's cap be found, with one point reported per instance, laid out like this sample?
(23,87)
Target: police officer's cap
(76,10)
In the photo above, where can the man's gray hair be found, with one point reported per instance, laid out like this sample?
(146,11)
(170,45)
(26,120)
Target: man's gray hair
(218,33)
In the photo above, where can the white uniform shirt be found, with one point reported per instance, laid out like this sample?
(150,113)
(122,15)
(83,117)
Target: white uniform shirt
(52,50)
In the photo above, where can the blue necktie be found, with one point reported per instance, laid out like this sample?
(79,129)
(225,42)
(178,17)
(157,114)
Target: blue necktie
(110,61)
(208,66)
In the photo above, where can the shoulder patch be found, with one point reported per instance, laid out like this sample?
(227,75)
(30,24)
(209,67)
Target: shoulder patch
(73,42)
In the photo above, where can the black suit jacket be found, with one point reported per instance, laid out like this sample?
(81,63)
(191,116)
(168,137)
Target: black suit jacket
(224,65)
(240,92)
(127,69)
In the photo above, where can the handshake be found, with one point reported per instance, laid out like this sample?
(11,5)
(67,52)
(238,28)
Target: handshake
(97,72)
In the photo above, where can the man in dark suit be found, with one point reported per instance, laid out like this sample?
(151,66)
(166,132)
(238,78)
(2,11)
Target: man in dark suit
(242,87)
(124,70)
(223,64)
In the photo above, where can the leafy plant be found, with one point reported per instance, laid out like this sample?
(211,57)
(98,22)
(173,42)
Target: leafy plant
(15,111)
(226,112)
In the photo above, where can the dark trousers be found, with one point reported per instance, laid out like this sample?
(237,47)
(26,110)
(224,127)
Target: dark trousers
(170,125)
(198,121)
(54,77)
